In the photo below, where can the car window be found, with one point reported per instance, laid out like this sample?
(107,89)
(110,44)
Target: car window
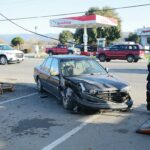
(5,47)
(1,47)
(123,47)
(135,47)
(61,46)
(47,64)
(130,47)
(81,67)
(54,67)
(43,64)
(114,47)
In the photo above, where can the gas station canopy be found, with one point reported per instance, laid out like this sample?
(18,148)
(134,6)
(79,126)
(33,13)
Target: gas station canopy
(89,21)
(84,22)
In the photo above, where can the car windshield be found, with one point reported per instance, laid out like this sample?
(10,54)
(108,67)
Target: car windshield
(75,67)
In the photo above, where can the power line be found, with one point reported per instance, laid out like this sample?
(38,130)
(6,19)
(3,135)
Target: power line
(42,35)
(73,13)
(47,16)
(26,28)
(10,20)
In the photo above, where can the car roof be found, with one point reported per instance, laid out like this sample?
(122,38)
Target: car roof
(69,57)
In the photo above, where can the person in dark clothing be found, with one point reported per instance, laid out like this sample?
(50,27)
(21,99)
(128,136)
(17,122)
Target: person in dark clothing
(148,88)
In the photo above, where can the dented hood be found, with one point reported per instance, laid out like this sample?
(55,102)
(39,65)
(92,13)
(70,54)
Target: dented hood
(100,82)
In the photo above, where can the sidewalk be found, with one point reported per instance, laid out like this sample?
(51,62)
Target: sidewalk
(32,55)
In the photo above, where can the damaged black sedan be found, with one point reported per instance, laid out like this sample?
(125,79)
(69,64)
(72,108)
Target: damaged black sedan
(79,81)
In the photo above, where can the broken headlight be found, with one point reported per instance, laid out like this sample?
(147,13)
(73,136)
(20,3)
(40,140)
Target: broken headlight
(126,89)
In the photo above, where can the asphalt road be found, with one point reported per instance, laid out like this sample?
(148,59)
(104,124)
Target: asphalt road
(31,121)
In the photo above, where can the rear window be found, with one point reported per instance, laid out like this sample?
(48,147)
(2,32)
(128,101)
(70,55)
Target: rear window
(133,47)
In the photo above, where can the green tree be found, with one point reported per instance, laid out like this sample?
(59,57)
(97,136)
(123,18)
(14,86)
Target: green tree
(17,41)
(64,36)
(133,37)
(110,33)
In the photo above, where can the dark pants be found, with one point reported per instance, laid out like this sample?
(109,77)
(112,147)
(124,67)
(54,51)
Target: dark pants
(148,88)
(148,97)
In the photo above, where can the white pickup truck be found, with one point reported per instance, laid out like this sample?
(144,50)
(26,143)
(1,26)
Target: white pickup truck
(8,54)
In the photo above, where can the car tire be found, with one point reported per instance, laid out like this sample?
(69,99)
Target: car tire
(67,100)
(50,53)
(3,60)
(102,58)
(70,52)
(39,85)
(130,58)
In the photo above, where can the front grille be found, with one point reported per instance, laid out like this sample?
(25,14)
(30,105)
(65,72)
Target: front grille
(115,96)
(19,55)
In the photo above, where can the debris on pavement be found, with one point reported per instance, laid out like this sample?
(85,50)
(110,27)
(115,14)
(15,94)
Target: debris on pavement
(145,128)
(6,87)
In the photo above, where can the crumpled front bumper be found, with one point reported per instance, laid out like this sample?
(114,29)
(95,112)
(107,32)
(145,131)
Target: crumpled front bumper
(89,101)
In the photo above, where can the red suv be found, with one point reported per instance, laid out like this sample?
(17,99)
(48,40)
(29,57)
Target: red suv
(129,52)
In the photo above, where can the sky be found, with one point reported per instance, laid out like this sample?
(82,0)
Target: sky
(132,18)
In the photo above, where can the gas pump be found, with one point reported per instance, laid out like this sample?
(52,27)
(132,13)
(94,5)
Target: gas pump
(101,42)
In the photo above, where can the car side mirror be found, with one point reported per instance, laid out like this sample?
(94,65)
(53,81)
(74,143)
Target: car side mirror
(107,70)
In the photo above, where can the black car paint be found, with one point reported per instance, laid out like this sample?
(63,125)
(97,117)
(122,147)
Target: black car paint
(105,83)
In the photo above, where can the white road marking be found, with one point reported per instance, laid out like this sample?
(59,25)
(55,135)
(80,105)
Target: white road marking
(11,100)
(70,133)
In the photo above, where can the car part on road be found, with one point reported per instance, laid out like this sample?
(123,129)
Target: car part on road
(6,87)
(145,128)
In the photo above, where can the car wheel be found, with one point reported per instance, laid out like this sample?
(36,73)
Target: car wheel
(102,58)
(39,85)
(3,60)
(70,52)
(67,99)
(50,53)
(130,58)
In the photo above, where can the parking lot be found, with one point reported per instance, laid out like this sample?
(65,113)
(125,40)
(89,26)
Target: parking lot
(33,121)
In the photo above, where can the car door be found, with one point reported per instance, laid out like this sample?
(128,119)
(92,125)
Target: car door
(53,79)
(121,53)
(61,49)
(45,72)
(112,52)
